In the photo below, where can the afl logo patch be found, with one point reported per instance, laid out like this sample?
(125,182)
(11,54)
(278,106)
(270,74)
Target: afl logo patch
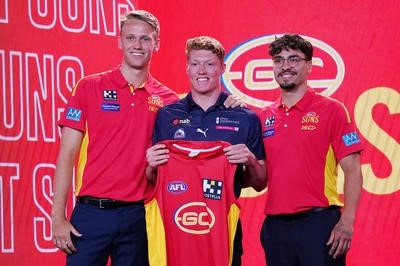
(177,187)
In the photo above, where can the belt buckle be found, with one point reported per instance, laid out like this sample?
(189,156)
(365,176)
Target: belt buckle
(101,206)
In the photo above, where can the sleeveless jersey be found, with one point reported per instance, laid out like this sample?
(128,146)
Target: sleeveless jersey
(192,216)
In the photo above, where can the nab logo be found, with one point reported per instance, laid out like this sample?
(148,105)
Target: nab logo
(249,70)
(177,187)
(74,114)
(181,121)
(194,218)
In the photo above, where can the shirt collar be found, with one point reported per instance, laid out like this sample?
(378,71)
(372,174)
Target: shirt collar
(301,104)
(149,85)
(190,103)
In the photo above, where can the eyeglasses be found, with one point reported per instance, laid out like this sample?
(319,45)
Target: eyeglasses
(292,61)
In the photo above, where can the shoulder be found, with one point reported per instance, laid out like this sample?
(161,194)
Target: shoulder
(329,103)
(164,92)
(91,81)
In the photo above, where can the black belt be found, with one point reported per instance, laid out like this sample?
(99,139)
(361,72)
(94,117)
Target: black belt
(107,203)
(301,215)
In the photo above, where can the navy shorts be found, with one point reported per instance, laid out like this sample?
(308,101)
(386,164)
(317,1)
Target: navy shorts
(300,240)
(118,233)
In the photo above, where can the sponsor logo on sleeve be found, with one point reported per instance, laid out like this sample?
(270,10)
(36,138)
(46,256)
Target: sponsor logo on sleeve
(350,139)
(73,114)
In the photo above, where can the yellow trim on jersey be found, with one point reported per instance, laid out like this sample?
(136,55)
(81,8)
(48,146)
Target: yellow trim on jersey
(347,112)
(82,161)
(330,174)
(155,234)
(233,218)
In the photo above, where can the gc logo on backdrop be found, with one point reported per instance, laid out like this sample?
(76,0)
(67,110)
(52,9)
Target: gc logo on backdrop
(249,71)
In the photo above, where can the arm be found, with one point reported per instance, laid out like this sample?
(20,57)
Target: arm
(342,233)
(61,228)
(156,155)
(255,172)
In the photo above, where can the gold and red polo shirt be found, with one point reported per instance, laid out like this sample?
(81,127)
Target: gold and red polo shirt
(303,145)
(117,121)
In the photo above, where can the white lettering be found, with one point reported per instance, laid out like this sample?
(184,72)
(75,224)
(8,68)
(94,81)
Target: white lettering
(73,15)
(4,11)
(44,77)
(9,172)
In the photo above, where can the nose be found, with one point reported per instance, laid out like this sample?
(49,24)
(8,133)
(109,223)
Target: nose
(136,43)
(202,69)
(285,64)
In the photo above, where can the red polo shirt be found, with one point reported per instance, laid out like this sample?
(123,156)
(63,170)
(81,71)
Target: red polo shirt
(303,146)
(117,121)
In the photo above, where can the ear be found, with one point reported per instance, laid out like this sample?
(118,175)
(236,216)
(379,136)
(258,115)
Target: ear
(309,66)
(187,68)
(157,45)
(119,42)
(223,68)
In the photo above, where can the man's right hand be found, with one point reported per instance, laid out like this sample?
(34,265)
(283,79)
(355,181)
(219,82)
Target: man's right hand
(156,155)
(62,230)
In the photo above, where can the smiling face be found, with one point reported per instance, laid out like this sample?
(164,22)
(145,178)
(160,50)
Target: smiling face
(291,76)
(204,70)
(138,41)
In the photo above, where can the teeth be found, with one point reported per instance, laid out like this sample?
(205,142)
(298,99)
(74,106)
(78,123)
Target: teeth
(202,79)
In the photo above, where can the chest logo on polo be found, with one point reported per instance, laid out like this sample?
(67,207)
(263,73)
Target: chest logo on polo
(109,95)
(309,121)
(181,121)
(154,103)
(212,189)
(269,121)
(224,123)
(179,134)
(110,107)
(204,132)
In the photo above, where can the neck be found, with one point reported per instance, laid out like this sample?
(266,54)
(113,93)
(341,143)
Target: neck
(134,76)
(292,96)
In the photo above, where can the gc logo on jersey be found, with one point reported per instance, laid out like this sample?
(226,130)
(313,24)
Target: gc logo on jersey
(194,218)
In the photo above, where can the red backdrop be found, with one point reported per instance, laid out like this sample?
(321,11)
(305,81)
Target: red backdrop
(47,45)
